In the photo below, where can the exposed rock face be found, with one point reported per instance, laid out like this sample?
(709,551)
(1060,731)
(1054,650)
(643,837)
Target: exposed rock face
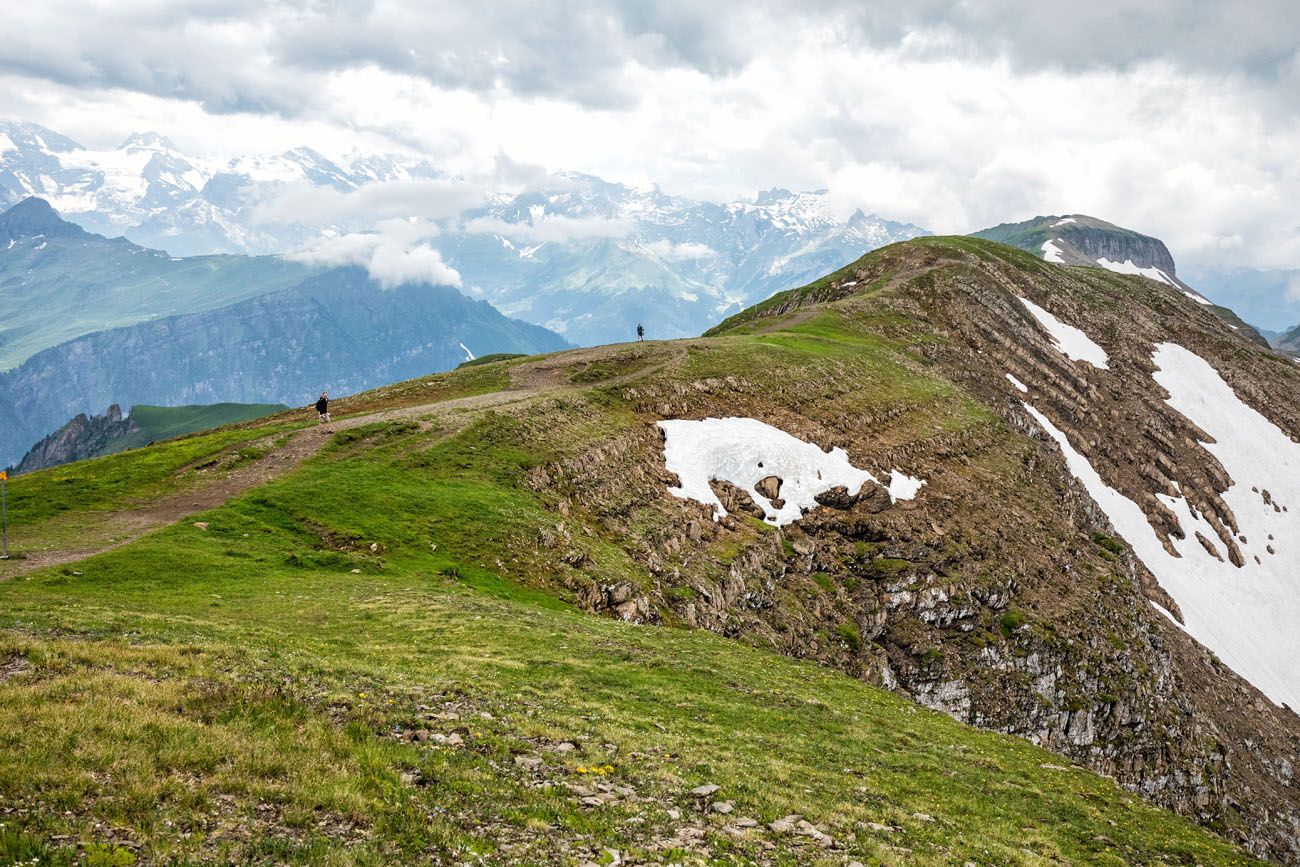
(83,437)
(1083,240)
(998,595)
(1289,342)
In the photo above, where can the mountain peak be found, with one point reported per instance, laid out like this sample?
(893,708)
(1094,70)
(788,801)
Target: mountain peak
(32,217)
(33,136)
(772,196)
(1078,239)
(150,141)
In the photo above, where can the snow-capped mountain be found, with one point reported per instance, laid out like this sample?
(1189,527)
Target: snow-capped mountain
(583,256)
(590,259)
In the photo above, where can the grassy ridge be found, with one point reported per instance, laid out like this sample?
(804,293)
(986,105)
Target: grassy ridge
(246,691)
(165,422)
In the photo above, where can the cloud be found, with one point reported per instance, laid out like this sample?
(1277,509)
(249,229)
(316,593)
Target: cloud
(428,199)
(392,266)
(396,253)
(688,251)
(551,227)
(278,56)
(1174,117)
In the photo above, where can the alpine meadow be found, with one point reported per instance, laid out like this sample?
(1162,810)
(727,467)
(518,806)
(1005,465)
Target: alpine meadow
(424,446)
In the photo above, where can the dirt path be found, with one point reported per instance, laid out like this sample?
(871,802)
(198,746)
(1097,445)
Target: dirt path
(790,320)
(125,526)
(553,371)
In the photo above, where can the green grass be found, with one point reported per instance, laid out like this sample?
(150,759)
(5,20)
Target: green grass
(489,359)
(234,694)
(165,422)
(464,381)
(121,480)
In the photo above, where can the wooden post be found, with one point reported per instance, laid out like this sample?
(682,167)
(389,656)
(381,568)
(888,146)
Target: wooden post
(4,519)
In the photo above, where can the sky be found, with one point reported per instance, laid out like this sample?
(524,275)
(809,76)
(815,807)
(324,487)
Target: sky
(1178,118)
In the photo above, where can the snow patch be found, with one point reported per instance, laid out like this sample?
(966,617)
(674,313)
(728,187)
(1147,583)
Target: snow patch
(1128,267)
(1070,341)
(1020,386)
(1247,616)
(902,486)
(744,451)
(1052,253)
(1198,299)
(1064,221)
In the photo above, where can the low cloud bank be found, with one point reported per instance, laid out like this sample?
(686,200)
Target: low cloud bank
(396,252)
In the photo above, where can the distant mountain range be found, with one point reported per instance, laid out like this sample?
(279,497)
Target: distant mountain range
(58,281)
(90,321)
(586,258)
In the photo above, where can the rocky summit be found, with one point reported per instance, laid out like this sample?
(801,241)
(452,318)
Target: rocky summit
(811,586)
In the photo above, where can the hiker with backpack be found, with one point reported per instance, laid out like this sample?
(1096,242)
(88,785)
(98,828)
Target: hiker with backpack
(323,410)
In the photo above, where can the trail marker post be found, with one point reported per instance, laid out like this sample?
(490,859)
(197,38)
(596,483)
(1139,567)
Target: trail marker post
(4,519)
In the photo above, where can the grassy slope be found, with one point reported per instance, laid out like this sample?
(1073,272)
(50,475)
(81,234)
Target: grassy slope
(165,422)
(234,692)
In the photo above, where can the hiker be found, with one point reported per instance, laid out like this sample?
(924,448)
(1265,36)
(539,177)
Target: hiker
(323,410)
(640,331)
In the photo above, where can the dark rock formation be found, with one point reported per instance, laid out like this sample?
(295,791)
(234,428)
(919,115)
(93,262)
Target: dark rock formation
(83,437)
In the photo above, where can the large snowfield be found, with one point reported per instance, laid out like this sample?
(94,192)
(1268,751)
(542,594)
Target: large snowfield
(1128,267)
(1072,342)
(744,451)
(1249,616)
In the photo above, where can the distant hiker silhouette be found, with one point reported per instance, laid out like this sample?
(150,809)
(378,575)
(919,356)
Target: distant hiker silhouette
(640,331)
(323,410)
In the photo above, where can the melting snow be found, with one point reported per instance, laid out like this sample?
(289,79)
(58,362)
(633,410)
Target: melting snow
(1072,342)
(1064,221)
(903,486)
(1248,616)
(1127,267)
(744,451)
(1052,253)
(469,356)
(1017,383)
(1198,299)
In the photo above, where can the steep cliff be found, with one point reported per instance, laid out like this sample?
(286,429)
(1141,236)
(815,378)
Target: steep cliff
(83,437)
(1078,239)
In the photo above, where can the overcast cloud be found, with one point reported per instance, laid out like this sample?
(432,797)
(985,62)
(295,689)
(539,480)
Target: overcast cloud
(1174,117)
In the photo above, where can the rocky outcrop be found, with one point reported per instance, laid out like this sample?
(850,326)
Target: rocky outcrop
(1000,595)
(1084,240)
(83,437)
